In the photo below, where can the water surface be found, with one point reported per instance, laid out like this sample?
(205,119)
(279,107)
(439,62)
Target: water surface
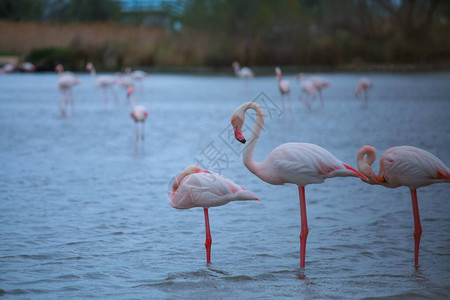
(84,208)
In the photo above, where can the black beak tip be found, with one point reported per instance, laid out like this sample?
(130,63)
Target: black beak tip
(242,141)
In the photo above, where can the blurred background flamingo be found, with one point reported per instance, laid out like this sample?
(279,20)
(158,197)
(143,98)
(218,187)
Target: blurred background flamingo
(195,187)
(138,113)
(245,73)
(284,87)
(364,85)
(105,82)
(66,81)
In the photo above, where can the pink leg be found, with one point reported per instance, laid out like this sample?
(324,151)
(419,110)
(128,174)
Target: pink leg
(321,99)
(417,226)
(208,241)
(304,230)
(105,95)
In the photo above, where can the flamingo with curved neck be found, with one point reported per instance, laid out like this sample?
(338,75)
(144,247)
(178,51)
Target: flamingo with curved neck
(404,166)
(297,163)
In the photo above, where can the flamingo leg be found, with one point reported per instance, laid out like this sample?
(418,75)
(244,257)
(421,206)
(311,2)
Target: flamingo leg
(208,241)
(105,95)
(417,226)
(366,98)
(321,99)
(304,230)
(143,130)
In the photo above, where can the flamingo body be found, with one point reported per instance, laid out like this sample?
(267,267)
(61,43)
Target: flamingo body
(319,83)
(207,189)
(403,166)
(302,164)
(139,113)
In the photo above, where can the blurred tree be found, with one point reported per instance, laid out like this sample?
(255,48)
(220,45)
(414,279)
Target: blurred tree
(21,10)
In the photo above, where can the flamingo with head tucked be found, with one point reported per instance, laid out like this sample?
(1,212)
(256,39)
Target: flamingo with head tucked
(364,85)
(195,187)
(244,72)
(297,163)
(404,166)
(105,82)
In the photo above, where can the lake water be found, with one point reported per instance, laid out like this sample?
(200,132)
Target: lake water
(85,213)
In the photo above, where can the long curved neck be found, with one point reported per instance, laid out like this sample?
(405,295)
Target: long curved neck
(365,158)
(248,160)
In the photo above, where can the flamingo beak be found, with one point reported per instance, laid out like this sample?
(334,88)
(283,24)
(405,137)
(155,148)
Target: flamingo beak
(238,135)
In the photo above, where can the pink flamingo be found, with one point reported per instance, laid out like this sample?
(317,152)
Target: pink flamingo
(244,72)
(195,187)
(8,68)
(104,82)
(27,67)
(66,81)
(364,85)
(320,84)
(138,113)
(404,166)
(284,87)
(308,88)
(297,163)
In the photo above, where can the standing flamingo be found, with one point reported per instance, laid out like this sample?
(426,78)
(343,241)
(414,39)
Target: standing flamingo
(308,87)
(104,82)
(244,72)
(297,163)
(195,187)
(284,87)
(364,85)
(320,84)
(404,166)
(66,81)
(138,113)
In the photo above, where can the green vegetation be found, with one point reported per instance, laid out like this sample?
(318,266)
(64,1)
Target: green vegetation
(305,33)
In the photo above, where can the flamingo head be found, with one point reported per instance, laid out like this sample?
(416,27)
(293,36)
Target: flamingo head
(236,65)
(89,66)
(237,121)
(127,70)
